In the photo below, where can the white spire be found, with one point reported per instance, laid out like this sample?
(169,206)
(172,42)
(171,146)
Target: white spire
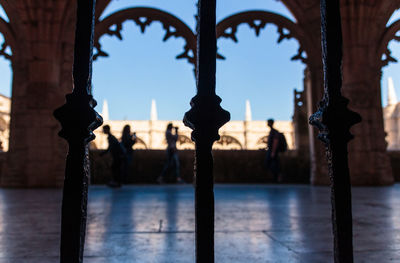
(104,113)
(392,98)
(248,111)
(153,112)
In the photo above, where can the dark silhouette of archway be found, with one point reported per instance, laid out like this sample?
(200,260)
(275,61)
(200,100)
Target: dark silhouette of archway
(9,40)
(144,17)
(174,27)
(258,20)
(389,35)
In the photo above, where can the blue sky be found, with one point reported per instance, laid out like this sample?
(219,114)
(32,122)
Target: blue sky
(142,67)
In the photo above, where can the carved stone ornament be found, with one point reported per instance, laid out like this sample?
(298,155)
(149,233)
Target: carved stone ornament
(174,27)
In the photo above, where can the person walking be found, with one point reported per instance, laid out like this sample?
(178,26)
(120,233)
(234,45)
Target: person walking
(127,141)
(172,155)
(117,152)
(272,162)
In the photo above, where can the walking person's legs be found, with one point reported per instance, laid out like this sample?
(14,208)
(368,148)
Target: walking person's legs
(126,167)
(177,168)
(275,168)
(167,165)
(116,169)
(272,164)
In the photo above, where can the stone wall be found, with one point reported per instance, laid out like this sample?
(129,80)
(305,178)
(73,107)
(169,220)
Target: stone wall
(229,167)
(235,135)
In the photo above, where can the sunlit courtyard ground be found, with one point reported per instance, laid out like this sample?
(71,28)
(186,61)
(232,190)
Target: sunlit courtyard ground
(146,224)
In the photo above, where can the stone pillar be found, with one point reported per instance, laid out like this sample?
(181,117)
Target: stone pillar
(300,119)
(41,77)
(314,90)
(245,134)
(151,133)
(368,159)
(362,32)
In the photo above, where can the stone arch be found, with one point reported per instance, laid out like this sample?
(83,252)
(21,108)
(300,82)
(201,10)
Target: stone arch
(309,41)
(140,144)
(228,142)
(296,7)
(262,142)
(101,5)
(257,20)
(383,49)
(9,40)
(6,29)
(184,142)
(144,17)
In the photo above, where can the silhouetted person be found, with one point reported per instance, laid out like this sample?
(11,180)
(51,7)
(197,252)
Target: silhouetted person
(118,157)
(127,141)
(272,156)
(172,155)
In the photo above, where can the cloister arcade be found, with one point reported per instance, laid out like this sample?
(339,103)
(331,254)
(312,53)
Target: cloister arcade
(40,36)
(46,49)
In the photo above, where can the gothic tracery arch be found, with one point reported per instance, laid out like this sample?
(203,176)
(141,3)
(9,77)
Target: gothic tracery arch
(144,17)
(174,27)
(9,39)
(391,33)
(140,144)
(228,142)
(258,20)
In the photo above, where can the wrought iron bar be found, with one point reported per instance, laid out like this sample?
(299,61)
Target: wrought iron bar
(334,120)
(78,120)
(205,118)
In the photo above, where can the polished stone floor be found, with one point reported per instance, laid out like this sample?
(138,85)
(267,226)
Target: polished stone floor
(151,224)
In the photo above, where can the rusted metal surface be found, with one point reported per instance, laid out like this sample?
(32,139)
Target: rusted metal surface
(334,120)
(78,120)
(205,118)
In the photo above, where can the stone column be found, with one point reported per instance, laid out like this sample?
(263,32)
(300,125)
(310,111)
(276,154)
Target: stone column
(368,159)
(362,32)
(300,118)
(314,92)
(245,134)
(41,74)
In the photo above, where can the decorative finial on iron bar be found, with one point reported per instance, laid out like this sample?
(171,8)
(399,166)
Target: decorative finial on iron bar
(205,118)
(333,118)
(77,117)
(334,121)
(78,120)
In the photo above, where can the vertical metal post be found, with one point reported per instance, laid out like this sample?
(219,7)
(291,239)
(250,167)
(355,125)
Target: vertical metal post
(205,118)
(334,120)
(78,120)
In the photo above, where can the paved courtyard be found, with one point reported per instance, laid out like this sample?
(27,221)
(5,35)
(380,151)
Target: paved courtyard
(146,224)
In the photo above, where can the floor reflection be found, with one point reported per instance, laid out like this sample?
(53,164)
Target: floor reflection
(254,224)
